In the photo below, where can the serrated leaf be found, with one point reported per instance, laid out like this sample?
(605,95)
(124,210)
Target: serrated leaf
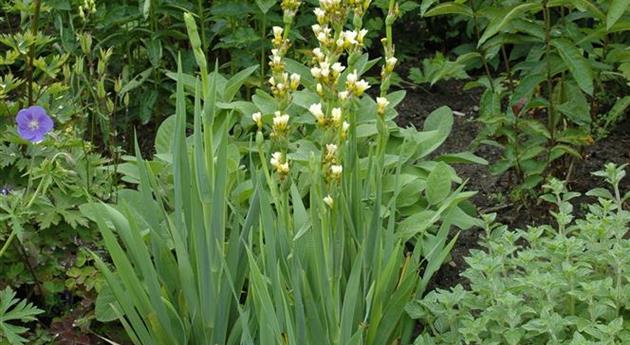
(13,309)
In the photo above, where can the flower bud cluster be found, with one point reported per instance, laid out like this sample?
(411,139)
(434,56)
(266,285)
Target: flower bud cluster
(349,40)
(290,8)
(87,8)
(334,119)
(388,47)
(280,128)
(355,86)
(283,83)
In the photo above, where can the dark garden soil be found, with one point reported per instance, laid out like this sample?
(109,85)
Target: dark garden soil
(493,191)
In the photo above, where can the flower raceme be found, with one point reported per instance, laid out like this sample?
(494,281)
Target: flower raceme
(33,123)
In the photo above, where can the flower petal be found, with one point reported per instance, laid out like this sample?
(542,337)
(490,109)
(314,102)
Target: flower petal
(26,133)
(23,118)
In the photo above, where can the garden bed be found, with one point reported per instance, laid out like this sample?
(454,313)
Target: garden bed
(493,190)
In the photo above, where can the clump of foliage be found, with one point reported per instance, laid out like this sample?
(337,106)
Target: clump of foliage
(558,63)
(285,219)
(46,174)
(562,284)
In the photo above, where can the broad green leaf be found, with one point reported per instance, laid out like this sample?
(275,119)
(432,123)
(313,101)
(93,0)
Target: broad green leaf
(235,83)
(577,64)
(438,183)
(616,9)
(424,6)
(591,8)
(136,81)
(526,87)
(462,157)
(500,21)
(164,136)
(103,306)
(576,108)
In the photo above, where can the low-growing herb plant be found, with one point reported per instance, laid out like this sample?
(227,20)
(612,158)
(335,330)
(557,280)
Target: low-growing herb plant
(45,175)
(567,283)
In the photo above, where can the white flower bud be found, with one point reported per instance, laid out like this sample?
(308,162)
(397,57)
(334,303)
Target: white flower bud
(280,120)
(328,200)
(331,150)
(276,159)
(257,117)
(316,72)
(381,104)
(338,68)
(316,110)
(336,170)
(350,37)
(361,35)
(320,14)
(295,81)
(336,115)
(277,31)
(352,77)
(318,54)
(345,126)
(361,86)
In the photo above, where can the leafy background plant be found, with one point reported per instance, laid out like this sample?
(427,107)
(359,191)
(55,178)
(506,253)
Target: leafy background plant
(557,63)
(566,283)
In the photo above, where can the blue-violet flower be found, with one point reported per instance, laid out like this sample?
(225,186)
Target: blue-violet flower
(33,123)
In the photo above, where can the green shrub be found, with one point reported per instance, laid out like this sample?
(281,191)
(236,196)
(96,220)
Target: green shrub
(562,284)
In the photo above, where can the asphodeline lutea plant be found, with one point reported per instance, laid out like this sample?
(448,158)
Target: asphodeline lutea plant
(300,237)
(331,269)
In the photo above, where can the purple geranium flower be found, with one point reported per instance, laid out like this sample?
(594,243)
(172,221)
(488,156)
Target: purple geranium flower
(33,123)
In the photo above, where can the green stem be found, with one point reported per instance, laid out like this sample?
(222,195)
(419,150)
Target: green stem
(508,69)
(31,54)
(551,107)
(262,49)
(16,228)
(202,19)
